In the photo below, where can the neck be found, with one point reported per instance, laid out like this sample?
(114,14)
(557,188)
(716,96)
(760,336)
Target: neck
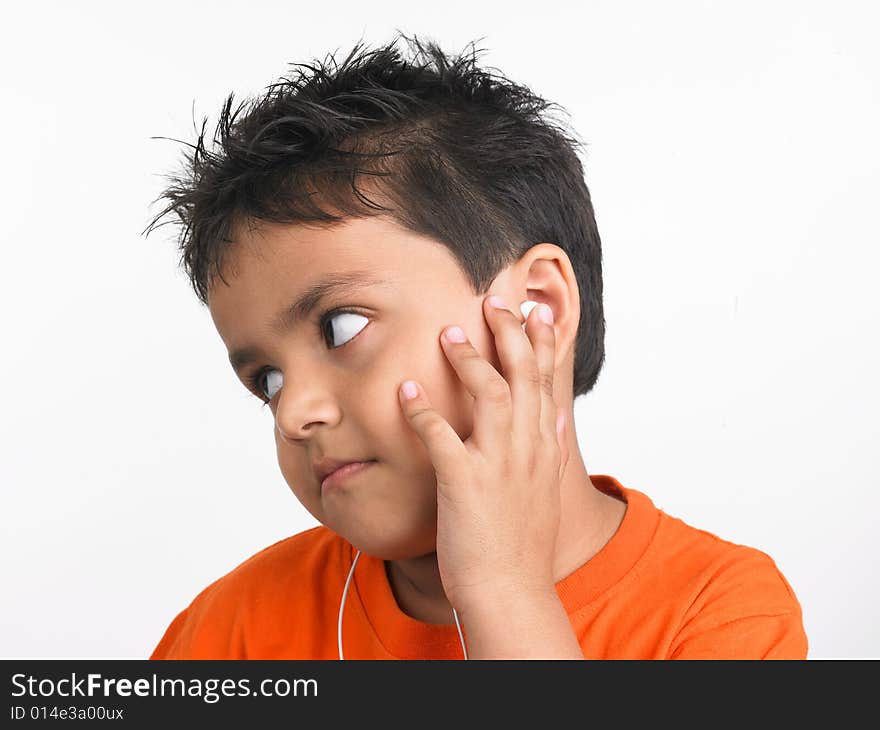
(589,518)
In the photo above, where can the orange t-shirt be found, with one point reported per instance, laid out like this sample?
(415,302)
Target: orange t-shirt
(659,589)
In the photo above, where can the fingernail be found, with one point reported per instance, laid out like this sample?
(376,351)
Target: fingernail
(545,313)
(454,334)
(497,302)
(409,389)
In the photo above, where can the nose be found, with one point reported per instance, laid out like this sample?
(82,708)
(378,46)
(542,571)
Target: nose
(301,410)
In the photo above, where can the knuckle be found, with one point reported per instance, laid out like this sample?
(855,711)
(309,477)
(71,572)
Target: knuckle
(433,428)
(469,353)
(533,462)
(546,383)
(551,460)
(497,391)
(555,454)
(533,376)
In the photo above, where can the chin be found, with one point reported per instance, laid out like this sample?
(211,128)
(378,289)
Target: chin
(402,540)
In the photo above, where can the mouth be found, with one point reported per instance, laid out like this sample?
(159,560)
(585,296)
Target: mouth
(344,473)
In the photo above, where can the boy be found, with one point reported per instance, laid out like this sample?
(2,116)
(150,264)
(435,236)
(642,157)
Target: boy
(368,231)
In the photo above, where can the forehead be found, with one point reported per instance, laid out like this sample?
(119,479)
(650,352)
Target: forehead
(267,267)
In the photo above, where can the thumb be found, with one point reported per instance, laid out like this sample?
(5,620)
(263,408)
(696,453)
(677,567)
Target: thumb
(444,447)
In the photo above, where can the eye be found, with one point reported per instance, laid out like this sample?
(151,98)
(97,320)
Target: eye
(350,323)
(338,325)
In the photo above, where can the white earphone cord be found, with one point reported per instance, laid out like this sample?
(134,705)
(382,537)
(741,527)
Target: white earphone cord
(342,608)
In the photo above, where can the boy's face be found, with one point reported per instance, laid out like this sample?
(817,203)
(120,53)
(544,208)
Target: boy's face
(338,394)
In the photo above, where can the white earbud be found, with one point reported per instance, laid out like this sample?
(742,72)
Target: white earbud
(527,306)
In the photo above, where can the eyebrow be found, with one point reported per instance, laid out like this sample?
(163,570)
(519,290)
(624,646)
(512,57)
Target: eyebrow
(304,304)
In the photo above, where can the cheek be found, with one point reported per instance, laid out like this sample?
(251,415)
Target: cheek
(297,472)
(483,341)
(425,361)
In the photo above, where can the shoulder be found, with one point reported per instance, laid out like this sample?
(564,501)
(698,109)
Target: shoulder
(715,566)
(272,585)
(300,553)
(684,562)
(736,601)
(287,560)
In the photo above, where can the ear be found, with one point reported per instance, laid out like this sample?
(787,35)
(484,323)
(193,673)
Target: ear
(547,276)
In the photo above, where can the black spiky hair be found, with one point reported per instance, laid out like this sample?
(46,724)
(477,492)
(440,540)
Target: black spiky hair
(447,149)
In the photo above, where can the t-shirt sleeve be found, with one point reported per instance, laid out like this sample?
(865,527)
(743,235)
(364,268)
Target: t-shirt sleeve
(173,643)
(746,610)
(209,628)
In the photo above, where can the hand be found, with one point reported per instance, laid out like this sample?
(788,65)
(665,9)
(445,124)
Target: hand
(498,501)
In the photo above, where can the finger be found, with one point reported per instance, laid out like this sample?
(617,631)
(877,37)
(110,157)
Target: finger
(562,440)
(445,449)
(542,335)
(493,413)
(518,364)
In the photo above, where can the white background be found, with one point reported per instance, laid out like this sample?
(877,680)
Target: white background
(732,155)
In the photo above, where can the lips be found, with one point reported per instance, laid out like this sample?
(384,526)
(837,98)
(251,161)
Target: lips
(338,475)
(326,466)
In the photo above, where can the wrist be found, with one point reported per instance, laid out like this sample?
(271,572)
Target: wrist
(507,599)
(519,624)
